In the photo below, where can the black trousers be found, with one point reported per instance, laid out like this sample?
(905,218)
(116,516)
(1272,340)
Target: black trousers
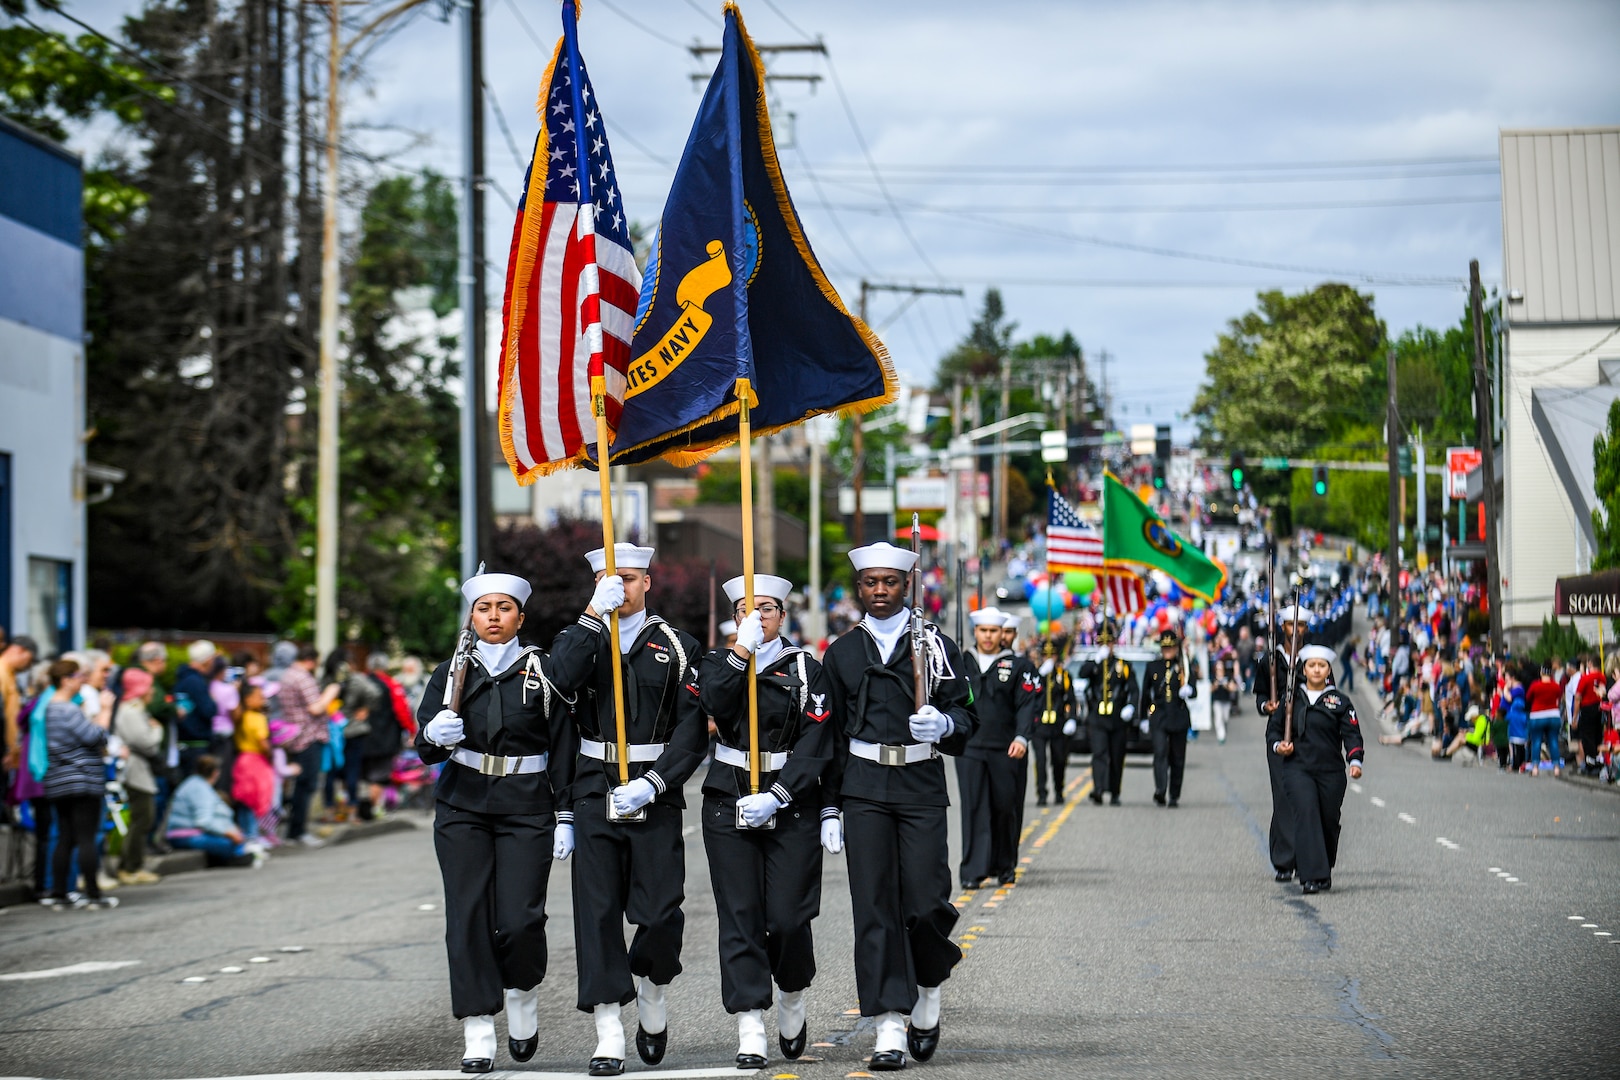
(635,871)
(76,819)
(992,814)
(767,889)
(1050,747)
(1282,819)
(1590,732)
(1316,799)
(1169,760)
(495,868)
(900,893)
(44,815)
(309,761)
(1107,758)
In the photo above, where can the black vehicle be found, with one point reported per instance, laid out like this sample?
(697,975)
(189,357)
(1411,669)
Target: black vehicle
(1137,656)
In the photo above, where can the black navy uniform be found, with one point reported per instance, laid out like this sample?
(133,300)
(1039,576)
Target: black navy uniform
(1006,702)
(1280,837)
(894,814)
(632,871)
(1327,737)
(1169,720)
(767,882)
(1110,687)
(493,833)
(1051,747)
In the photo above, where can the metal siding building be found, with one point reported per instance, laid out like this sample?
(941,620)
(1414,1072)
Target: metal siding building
(42,510)
(1560,318)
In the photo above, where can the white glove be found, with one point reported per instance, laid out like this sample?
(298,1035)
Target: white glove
(1046,666)
(1127,712)
(446,729)
(1186,693)
(631,797)
(563,845)
(1144,726)
(756,810)
(750,634)
(929,724)
(832,835)
(1070,727)
(609,595)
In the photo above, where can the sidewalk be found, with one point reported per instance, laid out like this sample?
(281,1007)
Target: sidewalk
(184,862)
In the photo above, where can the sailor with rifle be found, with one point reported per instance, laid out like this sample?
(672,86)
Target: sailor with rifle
(991,773)
(1313,736)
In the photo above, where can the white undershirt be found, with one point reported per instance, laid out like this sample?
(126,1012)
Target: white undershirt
(497,658)
(768,652)
(1313,695)
(986,659)
(888,632)
(629,629)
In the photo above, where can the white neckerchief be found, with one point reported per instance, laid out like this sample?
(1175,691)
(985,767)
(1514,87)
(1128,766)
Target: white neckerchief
(986,659)
(629,629)
(888,632)
(768,652)
(1313,695)
(497,658)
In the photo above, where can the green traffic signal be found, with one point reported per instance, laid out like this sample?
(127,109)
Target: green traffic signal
(1321,488)
(1237,479)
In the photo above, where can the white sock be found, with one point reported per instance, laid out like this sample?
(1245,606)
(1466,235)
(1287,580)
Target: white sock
(609,1032)
(925,1014)
(790,1009)
(523,1013)
(891,1032)
(651,1006)
(479,1031)
(751,1032)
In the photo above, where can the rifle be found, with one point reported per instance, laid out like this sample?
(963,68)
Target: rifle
(1271,618)
(1293,675)
(919,637)
(458,663)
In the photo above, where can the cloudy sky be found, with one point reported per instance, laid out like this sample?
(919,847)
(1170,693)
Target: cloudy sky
(1128,172)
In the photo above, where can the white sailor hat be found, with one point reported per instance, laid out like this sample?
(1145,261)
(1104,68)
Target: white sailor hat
(1316,652)
(625,557)
(507,584)
(1293,613)
(1009,621)
(728,629)
(986,617)
(883,555)
(777,588)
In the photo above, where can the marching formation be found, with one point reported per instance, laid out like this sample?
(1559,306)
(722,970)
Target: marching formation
(542,766)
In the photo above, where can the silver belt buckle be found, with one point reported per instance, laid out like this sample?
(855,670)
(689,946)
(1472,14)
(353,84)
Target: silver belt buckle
(770,823)
(491,765)
(614,815)
(891,755)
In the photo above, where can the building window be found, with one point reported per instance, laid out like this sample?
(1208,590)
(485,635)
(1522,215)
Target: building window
(50,604)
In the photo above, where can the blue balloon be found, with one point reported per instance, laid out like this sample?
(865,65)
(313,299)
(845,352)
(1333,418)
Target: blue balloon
(1029,588)
(1045,603)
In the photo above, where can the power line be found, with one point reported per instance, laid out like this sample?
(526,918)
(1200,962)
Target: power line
(639,25)
(851,174)
(838,223)
(500,122)
(693,4)
(1172,208)
(1260,166)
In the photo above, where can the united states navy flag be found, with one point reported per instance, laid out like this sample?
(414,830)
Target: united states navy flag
(732,291)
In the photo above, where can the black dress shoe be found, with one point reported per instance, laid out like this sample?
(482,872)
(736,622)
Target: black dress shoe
(972,883)
(792,1048)
(649,1046)
(477,1065)
(1285,875)
(1113,800)
(750,1061)
(1005,879)
(922,1041)
(888,1061)
(1309,888)
(1325,884)
(1096,797)
(606,1067)
(1040,801)
(523,1049)
(1175,802)
(1158,797)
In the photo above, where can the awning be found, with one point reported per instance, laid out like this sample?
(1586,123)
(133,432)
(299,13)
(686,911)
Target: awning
(1588,594)
(1567,419)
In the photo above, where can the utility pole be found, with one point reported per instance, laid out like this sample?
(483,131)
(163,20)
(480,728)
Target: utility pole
(816,617)
(1487,454)
(1001,456)
(1392,425)
(475,478)
(1421,558)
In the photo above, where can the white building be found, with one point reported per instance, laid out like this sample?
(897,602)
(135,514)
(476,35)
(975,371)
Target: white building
(1560,368)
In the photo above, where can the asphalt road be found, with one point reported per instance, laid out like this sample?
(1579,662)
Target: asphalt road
(1139,941)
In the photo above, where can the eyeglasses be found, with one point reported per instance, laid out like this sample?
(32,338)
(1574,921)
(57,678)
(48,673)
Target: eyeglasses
(763,609)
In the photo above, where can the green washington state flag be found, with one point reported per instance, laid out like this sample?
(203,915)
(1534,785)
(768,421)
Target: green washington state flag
(1134,536)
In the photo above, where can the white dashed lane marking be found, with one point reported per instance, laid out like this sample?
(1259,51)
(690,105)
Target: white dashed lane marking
(1408,818)
(1356,788)
(1449,845)
(1376,801)
(85,968)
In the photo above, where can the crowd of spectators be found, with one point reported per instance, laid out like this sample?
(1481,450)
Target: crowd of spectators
(103,763)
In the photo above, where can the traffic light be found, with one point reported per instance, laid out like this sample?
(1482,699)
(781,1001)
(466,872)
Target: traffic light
(1237,472)
(1158,475)
(1319,480)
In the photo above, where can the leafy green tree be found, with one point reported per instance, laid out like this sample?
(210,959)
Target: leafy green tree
(1357,503)
(1557,640)
(1291,374)
(979,355)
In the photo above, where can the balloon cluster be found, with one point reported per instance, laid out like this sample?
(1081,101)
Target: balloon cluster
(1050,595)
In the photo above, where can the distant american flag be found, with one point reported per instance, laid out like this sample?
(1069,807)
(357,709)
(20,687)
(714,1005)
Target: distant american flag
(1071,544)
(571,280)
(1125,593)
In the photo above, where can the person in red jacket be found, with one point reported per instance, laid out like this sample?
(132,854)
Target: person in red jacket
(1589,693)
(1541,702)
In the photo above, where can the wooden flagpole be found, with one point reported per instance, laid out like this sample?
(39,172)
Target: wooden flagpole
(744,432)
(599,406)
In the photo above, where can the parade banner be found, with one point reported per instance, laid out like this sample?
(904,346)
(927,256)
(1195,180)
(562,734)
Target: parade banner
(1134,535)
(733,292)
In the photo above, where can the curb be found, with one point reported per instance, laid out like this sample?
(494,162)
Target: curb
(15,893)
(1588,783)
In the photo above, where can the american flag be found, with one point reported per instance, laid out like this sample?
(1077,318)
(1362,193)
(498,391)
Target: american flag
(1126,595)
(571,280)
(1071,544)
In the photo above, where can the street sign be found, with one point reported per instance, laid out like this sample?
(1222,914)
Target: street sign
(874,500)
(1274,463)
(1054,446)
(1144,438)
(1460,461)
(922,493)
